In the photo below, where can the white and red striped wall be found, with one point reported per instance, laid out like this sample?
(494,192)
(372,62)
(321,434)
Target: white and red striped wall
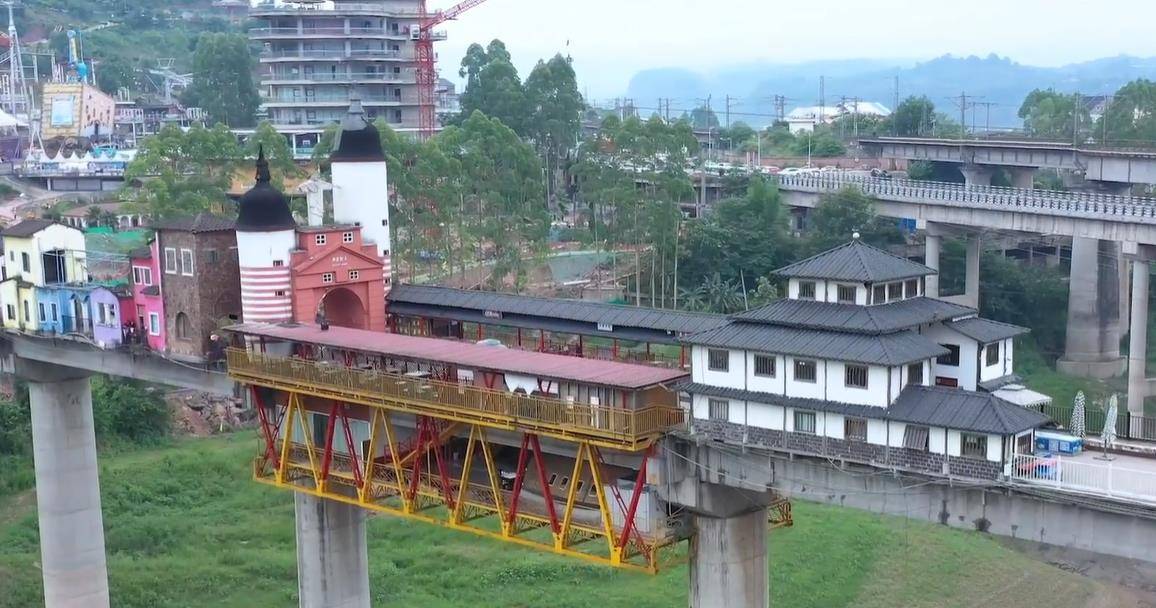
(266,284)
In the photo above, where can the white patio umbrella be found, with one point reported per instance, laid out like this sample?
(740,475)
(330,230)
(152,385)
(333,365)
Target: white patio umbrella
(1077,426)
(1108,435)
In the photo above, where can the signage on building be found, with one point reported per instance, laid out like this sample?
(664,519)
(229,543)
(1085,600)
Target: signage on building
(605,327)
(492,314)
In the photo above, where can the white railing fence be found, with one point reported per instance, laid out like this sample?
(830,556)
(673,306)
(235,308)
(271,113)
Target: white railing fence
(1101,478)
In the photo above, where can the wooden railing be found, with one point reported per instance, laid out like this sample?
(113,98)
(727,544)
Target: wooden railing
(604,425)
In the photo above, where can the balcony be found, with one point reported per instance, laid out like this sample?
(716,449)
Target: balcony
(339,31)
(338,100)
(341,77)
(305,10)
(602,425)
(336,55)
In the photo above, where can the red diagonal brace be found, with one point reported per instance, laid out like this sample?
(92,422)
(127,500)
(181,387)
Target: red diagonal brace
(353,461)
(518,473)
(327,456)
(545,486)
(639,482)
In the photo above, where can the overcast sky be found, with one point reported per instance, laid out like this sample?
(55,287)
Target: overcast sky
(610,40)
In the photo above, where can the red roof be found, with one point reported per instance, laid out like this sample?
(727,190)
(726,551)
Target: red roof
(470,356)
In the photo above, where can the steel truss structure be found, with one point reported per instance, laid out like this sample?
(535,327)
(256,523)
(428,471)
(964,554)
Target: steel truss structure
(416,477)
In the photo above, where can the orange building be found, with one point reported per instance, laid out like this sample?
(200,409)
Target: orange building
(334,272)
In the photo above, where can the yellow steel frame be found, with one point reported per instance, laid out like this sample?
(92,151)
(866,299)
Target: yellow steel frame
(385,488)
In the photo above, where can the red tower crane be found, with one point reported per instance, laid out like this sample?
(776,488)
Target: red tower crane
(426,72)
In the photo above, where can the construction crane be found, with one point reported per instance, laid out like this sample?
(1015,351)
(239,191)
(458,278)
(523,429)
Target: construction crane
(426,71)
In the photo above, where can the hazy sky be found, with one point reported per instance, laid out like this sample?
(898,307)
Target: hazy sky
(610,40)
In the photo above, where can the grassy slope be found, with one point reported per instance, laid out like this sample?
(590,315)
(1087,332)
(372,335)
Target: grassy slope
(185,527)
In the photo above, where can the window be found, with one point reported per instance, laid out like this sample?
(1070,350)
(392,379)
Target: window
(915,373)
(972,446)
(154,324)
(25,261)
(11,312)
(385,223)
(347,237)
(27,315)
(845,294)
(280,293)
(991,354)
(806,290)
(187,262)
(319,239)
(879,294)
(142,275)
(212,256)
(278,263)
(855,376)
(805,370)
(951,358)
(43,315)
(55,313)
(170,260)
(945,381)
(183,326)
(327,277)
(805,422)
(718,409)
(718,360)
(911,287)
(553,478)
(894,291)
(354,275)
(855,429)
(765,366)
(915,437)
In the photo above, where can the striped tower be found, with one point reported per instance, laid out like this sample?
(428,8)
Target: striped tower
(266,233)
(361,184)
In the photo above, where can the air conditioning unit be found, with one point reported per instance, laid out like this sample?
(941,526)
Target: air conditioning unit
(414,32)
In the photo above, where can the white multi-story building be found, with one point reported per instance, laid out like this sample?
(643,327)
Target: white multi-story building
(857,363)
(314,54)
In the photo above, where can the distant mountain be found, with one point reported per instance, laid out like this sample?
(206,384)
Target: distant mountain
(994,79)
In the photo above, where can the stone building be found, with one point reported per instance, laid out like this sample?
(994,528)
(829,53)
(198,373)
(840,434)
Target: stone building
(201,281)
(857,363)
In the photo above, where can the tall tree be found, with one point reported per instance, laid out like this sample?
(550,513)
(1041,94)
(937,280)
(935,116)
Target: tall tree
(841,214)
(1049,114)
(914,117)
(704,118)
(180,172)
(555,107)
(223,80)
(1131,116)
(114,74)
(493,87)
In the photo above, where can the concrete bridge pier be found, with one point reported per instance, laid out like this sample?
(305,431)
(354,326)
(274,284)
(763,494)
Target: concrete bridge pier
(1139,385)
(72,557)
(933,245)
(976,175)
(1022,177)
(1092,344)
(332,558)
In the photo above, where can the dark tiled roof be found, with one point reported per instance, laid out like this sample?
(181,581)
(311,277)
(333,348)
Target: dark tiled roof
(951,408)
(151,290)
(358,140)
(887,349)
(264,208)
(557,308)
(997,383)
(884,318)
(27,228)
(959,409)
(856,262)
(201,222)
(986,330)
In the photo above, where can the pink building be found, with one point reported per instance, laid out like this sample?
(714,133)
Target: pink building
(335,272)
(148,312)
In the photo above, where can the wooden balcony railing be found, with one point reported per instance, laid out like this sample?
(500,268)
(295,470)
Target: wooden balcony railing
(606,426)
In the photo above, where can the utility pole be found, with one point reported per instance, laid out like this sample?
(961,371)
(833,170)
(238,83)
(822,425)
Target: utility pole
(728,111)
(822,97)
(964,105)
(780,108)
(1076,102)
(987,116)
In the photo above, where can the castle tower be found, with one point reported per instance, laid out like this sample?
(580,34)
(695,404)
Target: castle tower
(360,182)
(266,233)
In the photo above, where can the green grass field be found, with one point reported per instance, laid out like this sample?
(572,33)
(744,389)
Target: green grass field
(186,527)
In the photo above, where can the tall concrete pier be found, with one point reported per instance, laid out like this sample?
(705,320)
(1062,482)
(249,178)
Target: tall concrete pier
(1092,348)
(728,561)
(67,487)
(332,559)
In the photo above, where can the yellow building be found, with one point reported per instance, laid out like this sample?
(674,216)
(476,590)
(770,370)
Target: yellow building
(76,110)
(37,252)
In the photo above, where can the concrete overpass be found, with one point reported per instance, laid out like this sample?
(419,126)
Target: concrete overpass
(1116,167)
(1107,230)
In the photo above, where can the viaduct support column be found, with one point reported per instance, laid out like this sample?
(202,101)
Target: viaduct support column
(1092,345)
(971,276)
(67,486)
(728,561)
(1138,343)
(332,559)
(1022,177)
(976,175)
(932,245)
